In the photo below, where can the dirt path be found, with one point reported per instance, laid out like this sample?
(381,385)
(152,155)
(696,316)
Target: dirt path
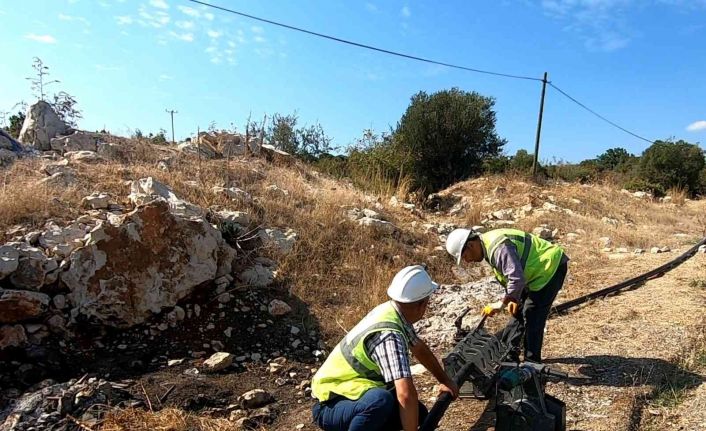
(625,356)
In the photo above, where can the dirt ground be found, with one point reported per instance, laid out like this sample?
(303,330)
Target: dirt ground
(624,355)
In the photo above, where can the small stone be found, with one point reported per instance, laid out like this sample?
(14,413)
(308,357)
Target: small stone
(255,399)
(197,310)
(296,343)
(294,330)
(217,345)
(255,356)
(162,327)
(279,308)
(225,298)
(218,361)
(59,302)
(122,346)
(174,362)
(702,249)
(655,250)
(665,249)
(228,331)
(639,251)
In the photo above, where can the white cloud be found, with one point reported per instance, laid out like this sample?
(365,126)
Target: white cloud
(371,7)
(159,4)
(164,77)
(602,25)
(406,12)
(697,126)
(259,39)
(214,34)
(42,38)
(185,25)
(124,20)
(64,17)
(189,11)
(186,37)
(257,29)
(209,16)
(156,19)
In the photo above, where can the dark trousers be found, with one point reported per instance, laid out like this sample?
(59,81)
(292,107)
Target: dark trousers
(532,317)
(376,410)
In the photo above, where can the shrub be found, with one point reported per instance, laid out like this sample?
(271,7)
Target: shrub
(671,164)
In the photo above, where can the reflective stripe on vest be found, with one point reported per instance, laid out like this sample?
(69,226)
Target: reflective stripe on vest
(347,349)
(539,258)
(349,371)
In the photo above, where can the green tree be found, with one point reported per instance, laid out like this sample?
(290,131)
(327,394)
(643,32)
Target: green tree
(445,137)
(282,133)
(16,122)
(613,158)
(307,142)
(160,138)
(672,164)
(521,162)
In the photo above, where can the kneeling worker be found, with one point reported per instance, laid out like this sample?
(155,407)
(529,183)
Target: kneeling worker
(366,382)
(532,271)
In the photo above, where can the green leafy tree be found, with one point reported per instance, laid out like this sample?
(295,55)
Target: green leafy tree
(521,162)
(307,142)
(672,164)
(16,122)
(445,137)
(160,138)
(613,158)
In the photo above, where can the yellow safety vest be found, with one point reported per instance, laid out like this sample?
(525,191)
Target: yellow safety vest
(349,371)
(540,259)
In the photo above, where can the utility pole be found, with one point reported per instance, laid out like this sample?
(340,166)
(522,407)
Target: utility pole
(535,163)
(172,112)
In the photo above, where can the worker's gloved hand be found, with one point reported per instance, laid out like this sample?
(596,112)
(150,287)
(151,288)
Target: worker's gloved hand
(493,308)
(512,308)
(449,387)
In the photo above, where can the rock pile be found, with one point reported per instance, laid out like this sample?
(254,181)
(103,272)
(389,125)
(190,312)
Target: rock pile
(62,406)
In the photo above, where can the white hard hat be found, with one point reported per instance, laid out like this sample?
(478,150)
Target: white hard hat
(411,284)
(457,240)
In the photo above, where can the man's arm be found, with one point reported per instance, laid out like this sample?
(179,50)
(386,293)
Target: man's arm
(409,403)
(508,262)
(427,358)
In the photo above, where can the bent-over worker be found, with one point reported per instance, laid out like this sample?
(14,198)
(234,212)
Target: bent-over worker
(531,269)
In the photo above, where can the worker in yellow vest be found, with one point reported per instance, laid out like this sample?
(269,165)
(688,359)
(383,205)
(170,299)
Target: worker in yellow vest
(531,269)
(366,384)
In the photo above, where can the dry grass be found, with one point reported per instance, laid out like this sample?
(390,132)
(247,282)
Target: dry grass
(164,420)
(678,195)
(339,269)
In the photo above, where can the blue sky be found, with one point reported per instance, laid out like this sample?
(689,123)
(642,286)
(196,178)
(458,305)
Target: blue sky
(640,63)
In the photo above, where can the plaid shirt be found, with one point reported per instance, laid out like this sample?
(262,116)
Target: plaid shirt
(390,352)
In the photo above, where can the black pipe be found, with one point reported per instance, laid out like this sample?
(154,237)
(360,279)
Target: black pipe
(442,403)
(632,283)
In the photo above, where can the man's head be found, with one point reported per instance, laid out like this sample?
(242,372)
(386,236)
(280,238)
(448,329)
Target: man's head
(411,289)
(464,245)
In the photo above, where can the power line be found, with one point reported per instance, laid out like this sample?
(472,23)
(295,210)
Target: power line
(597,114)
(416,58)
(361,45)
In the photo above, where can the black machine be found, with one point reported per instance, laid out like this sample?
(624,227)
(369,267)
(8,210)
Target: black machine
(477,365)
(522,405)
